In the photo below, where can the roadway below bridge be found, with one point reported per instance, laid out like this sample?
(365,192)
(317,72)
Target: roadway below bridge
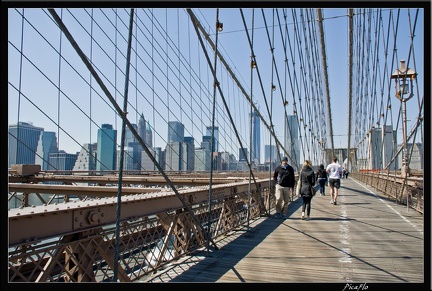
(366,239)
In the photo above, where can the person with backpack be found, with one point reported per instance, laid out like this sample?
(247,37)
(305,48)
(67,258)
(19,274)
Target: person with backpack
(284,179)
(307,182)
(321,175)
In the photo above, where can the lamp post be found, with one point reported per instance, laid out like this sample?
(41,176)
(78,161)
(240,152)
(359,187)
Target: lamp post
(404,78)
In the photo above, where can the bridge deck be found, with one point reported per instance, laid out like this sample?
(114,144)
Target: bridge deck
(366,238)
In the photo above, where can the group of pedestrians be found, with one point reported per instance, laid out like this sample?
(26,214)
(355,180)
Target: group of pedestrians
(284,180)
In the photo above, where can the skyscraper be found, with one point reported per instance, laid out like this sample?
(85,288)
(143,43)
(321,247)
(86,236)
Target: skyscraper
(256,139)
(389,147)
(243,156)
(374,149)
(106,148)
(145,132)
(86,160)
(216,136)
(61,161)
(47,145)
(202,159)
(173,156)
(149,135)
(173,151)
(188,153)
(23,140)
(175,131)
(129,137)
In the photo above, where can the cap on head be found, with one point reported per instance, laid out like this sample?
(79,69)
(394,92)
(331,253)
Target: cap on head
(285,159)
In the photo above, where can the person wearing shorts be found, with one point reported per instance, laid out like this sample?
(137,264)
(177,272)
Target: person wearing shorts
(335,172)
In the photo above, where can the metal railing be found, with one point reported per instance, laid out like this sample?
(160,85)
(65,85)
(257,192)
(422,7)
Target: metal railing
(76,241)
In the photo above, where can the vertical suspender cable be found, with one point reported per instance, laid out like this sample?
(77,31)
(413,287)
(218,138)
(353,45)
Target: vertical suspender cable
(59,86)
(251,146)
(20,88)
(271,112)
(92,155)
(212,141)
(125,101)
(350,69)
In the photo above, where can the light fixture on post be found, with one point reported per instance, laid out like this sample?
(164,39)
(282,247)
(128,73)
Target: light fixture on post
(404,78)
(219,26)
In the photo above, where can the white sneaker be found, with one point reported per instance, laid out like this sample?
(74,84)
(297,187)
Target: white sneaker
(303,216)
(331,201)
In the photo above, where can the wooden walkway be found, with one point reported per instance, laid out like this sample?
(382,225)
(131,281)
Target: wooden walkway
(366,238)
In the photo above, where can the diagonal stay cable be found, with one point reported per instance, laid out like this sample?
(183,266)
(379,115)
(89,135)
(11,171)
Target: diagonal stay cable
(120,112)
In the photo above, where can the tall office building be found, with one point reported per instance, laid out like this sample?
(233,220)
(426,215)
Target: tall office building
(61,161)
(174,147)
(47,145)
(374,149)
(135,154)
(292,140)
(188,154)
(86,160)
(215,135)
(129,164)
(145,131)
(243,154)
(207,142)
(23,140)
(106,148)
(225,161)
(175,131)
(146,162)
(158,156)
(233,163)
(202,159)
(256,139)
(129,137)
(173,160)
(389,146)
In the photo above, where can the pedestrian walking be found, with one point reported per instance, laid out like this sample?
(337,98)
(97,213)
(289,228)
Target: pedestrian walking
(307,180)
(335,172)
(321,175)
(284,180)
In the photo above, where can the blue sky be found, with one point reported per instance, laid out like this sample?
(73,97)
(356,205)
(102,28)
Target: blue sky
(74,113)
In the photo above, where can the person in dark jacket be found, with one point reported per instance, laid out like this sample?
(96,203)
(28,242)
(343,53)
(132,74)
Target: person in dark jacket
(307,178)
(321,175)
(284,180)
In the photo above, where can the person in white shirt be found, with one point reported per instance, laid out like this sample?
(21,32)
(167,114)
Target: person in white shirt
(335,172)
